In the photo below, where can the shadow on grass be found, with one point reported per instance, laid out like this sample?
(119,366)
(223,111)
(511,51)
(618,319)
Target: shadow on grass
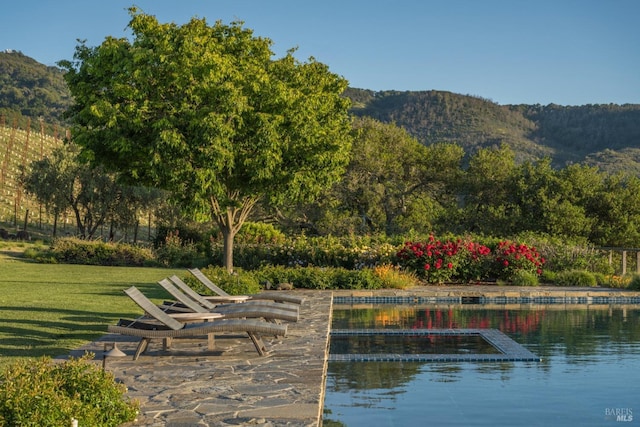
(33,337)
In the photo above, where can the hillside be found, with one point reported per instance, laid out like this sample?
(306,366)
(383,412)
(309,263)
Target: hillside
(604,135)
(29,89)
(34,96)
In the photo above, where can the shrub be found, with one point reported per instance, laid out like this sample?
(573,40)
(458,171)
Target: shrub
(259,233)
(393,277)
(579,278)
(562,254)
(41,393)
(511,257)
(524,278)
(320,277)
(434,260)
(475,262)
(176,252)
(241,282)
(601,279)
(634,284)
(72,250)
(548,276)
(341,278)
(351,252)
(614,281)
(300,277)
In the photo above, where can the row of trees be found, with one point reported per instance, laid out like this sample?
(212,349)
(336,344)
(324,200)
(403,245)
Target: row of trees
(62,183)
(394,184)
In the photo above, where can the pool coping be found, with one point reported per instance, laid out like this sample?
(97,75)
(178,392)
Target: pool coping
(488,294)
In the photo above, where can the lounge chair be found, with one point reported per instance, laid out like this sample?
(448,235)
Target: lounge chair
(273,296)
(270,313)
(211,302)
(156,324)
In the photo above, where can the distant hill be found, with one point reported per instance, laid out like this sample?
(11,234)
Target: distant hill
(29,89)
(604,135)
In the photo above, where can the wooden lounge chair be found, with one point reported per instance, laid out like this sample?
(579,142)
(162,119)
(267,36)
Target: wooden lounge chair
(156,324)
(273,296)
(270,313)
(211,302)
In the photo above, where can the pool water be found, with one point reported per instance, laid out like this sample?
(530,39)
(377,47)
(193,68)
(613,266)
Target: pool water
(411,344)
(589,374)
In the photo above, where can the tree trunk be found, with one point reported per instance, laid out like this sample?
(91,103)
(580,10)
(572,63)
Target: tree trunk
(230,221)
(228,236)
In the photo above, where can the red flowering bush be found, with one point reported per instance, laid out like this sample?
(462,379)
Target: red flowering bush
(434,261)
(476,262)
(438,261)
(511,257)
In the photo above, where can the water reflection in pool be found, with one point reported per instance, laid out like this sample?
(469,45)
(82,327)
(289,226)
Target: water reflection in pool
(589,374)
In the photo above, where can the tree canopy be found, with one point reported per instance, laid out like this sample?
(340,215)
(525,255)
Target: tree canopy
(206,112)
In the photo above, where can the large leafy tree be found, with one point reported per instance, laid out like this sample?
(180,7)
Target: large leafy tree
(207,113)
(393,181)
(489,184)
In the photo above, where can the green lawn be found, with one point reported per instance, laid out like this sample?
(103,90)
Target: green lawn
(50,309)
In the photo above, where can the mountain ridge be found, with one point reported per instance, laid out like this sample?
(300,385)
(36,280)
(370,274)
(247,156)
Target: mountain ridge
(603,135)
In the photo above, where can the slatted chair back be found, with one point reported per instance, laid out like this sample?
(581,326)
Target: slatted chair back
(181,297)
(207,282)
(151,309)
(191,293)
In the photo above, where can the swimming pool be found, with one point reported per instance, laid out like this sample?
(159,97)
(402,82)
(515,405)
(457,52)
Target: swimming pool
(589,373)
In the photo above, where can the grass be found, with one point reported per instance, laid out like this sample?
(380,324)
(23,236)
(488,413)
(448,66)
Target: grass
(51,309)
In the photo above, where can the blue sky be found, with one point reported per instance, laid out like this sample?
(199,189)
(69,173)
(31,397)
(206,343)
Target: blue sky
(567,52)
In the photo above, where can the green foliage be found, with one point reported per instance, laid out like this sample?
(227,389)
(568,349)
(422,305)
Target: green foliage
(579,278)
(40,393)
(62,182)
(635,283)
(72,250)
(320,278)
(562,254)
(351,252)
(548,276)
(524,278)
(241,282)
(259,233)
(176,252)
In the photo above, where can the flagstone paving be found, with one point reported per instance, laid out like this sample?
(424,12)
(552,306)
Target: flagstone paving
(231,385)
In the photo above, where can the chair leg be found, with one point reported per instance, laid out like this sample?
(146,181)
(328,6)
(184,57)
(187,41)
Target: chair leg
(259,345)
(142,346)
(166,343)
